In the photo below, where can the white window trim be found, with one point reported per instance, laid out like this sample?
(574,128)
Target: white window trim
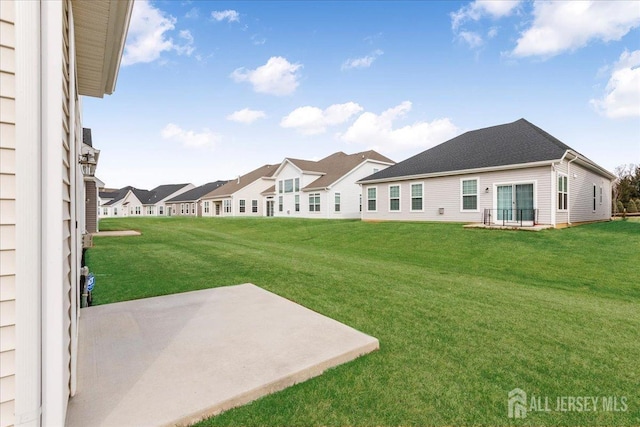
(389,198)
(470,178)
(411,197)
(366,199)
(558,175)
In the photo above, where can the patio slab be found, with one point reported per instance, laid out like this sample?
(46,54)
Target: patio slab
(178,358)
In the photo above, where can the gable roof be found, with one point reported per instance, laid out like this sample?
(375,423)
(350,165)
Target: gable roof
(339,164)
(196,193)
(119,195)
(162,192)
(514,143)
(234,185)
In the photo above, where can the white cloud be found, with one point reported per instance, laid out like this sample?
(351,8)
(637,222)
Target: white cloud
(312,120)
(560,26)
(377,131)
(189,138)
(228,15)
(473,40)
(364,62)
(622,94)
(277,77)
(246,116)
(193,13)
(493,31)
(148,35)
(480,8)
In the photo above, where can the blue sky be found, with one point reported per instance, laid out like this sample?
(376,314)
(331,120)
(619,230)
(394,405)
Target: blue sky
(213,90)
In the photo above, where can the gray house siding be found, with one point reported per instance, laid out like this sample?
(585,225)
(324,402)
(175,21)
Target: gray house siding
(581,195)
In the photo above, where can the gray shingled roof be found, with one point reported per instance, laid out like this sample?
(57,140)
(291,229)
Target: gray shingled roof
(339,164)
(196,193)
(161,192)
(508,144)
(119,195)
(237,184)
(86,137)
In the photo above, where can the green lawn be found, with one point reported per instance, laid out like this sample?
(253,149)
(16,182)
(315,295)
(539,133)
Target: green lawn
(463,316)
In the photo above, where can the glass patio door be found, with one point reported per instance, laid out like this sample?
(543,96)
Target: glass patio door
(505,202)
(524,202)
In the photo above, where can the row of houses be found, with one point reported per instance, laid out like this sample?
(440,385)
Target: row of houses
(326,188)
(514,173)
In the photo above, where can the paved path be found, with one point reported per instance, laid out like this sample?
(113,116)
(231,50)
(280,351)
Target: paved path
(117,233)
(177,358)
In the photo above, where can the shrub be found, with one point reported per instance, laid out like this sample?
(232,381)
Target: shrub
(631,207)
(619,206)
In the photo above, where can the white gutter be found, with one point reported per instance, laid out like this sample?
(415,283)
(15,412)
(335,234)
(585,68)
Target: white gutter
(28,264)
(569,188)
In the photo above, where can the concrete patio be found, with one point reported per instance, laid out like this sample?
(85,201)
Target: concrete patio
(178,358)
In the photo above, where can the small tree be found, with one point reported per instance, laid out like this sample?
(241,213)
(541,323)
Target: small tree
(631,207)
(619,207)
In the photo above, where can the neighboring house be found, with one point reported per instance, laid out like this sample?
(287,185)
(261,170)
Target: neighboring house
(325,188)
(188,203)
(51,52)
(155,204)
(106,195)
(131,201)
(501,175)
(91,183)
(111,205)
(241,196)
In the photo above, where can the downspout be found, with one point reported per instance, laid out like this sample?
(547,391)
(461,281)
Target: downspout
(568,190)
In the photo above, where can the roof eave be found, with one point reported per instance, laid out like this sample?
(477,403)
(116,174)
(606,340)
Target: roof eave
(460,172)
(591,165)
(100,28)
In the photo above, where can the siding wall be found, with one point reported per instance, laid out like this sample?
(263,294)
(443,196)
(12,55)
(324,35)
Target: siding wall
(7,213)
(445,192)
(349,192)
(91,215)
(581,195)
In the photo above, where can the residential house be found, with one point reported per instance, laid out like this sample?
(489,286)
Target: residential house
(106,195)
(51,52)
(515,173)
(155,204)
(111,202)
(131,201)
(241,196)
(325,188)
(188,203)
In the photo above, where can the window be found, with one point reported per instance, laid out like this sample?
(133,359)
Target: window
(314,202)
(254,206)
(105,211)
(206,207)
(297,185)
(242,206)
(186,206)
(416,197)
(150,210)
(160,210)
(280,204)
(337,202)
(297,201)
(594,197)
(360,202)
(226,206)
(601,194)
(280,187)
(288,185)
(372,194)
(193,208)
(115,211)
(394,198)
(562,193)
(469,194)
(138,210)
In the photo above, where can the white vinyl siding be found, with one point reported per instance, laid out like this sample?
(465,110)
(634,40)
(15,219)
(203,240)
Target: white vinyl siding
(581,195)
(445,193)
(7,213)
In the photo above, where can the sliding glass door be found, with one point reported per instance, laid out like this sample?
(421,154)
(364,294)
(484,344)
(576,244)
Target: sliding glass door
(515,202)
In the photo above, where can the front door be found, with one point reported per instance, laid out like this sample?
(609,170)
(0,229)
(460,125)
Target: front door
(515,202)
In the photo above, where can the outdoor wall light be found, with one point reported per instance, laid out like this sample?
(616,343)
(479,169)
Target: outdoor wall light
(486,190)
(88,163)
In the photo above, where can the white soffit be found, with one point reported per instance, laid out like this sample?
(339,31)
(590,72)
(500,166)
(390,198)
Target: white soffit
(100,33)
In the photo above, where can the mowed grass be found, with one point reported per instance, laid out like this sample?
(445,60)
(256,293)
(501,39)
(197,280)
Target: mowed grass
(463,316)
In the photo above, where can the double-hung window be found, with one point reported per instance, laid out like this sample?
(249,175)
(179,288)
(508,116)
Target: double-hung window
(254,206)
(563,198)
(337,202)
(161,210)
(242,205)
(206,207)
(469,194)
(372,195)
(280,204)
(416,197)
(226,206)
(297,202)
(314,202)
(394,198)
(594,197)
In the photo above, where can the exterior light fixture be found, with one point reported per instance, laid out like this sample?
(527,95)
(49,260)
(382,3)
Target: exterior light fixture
(486,190)
(88,162)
